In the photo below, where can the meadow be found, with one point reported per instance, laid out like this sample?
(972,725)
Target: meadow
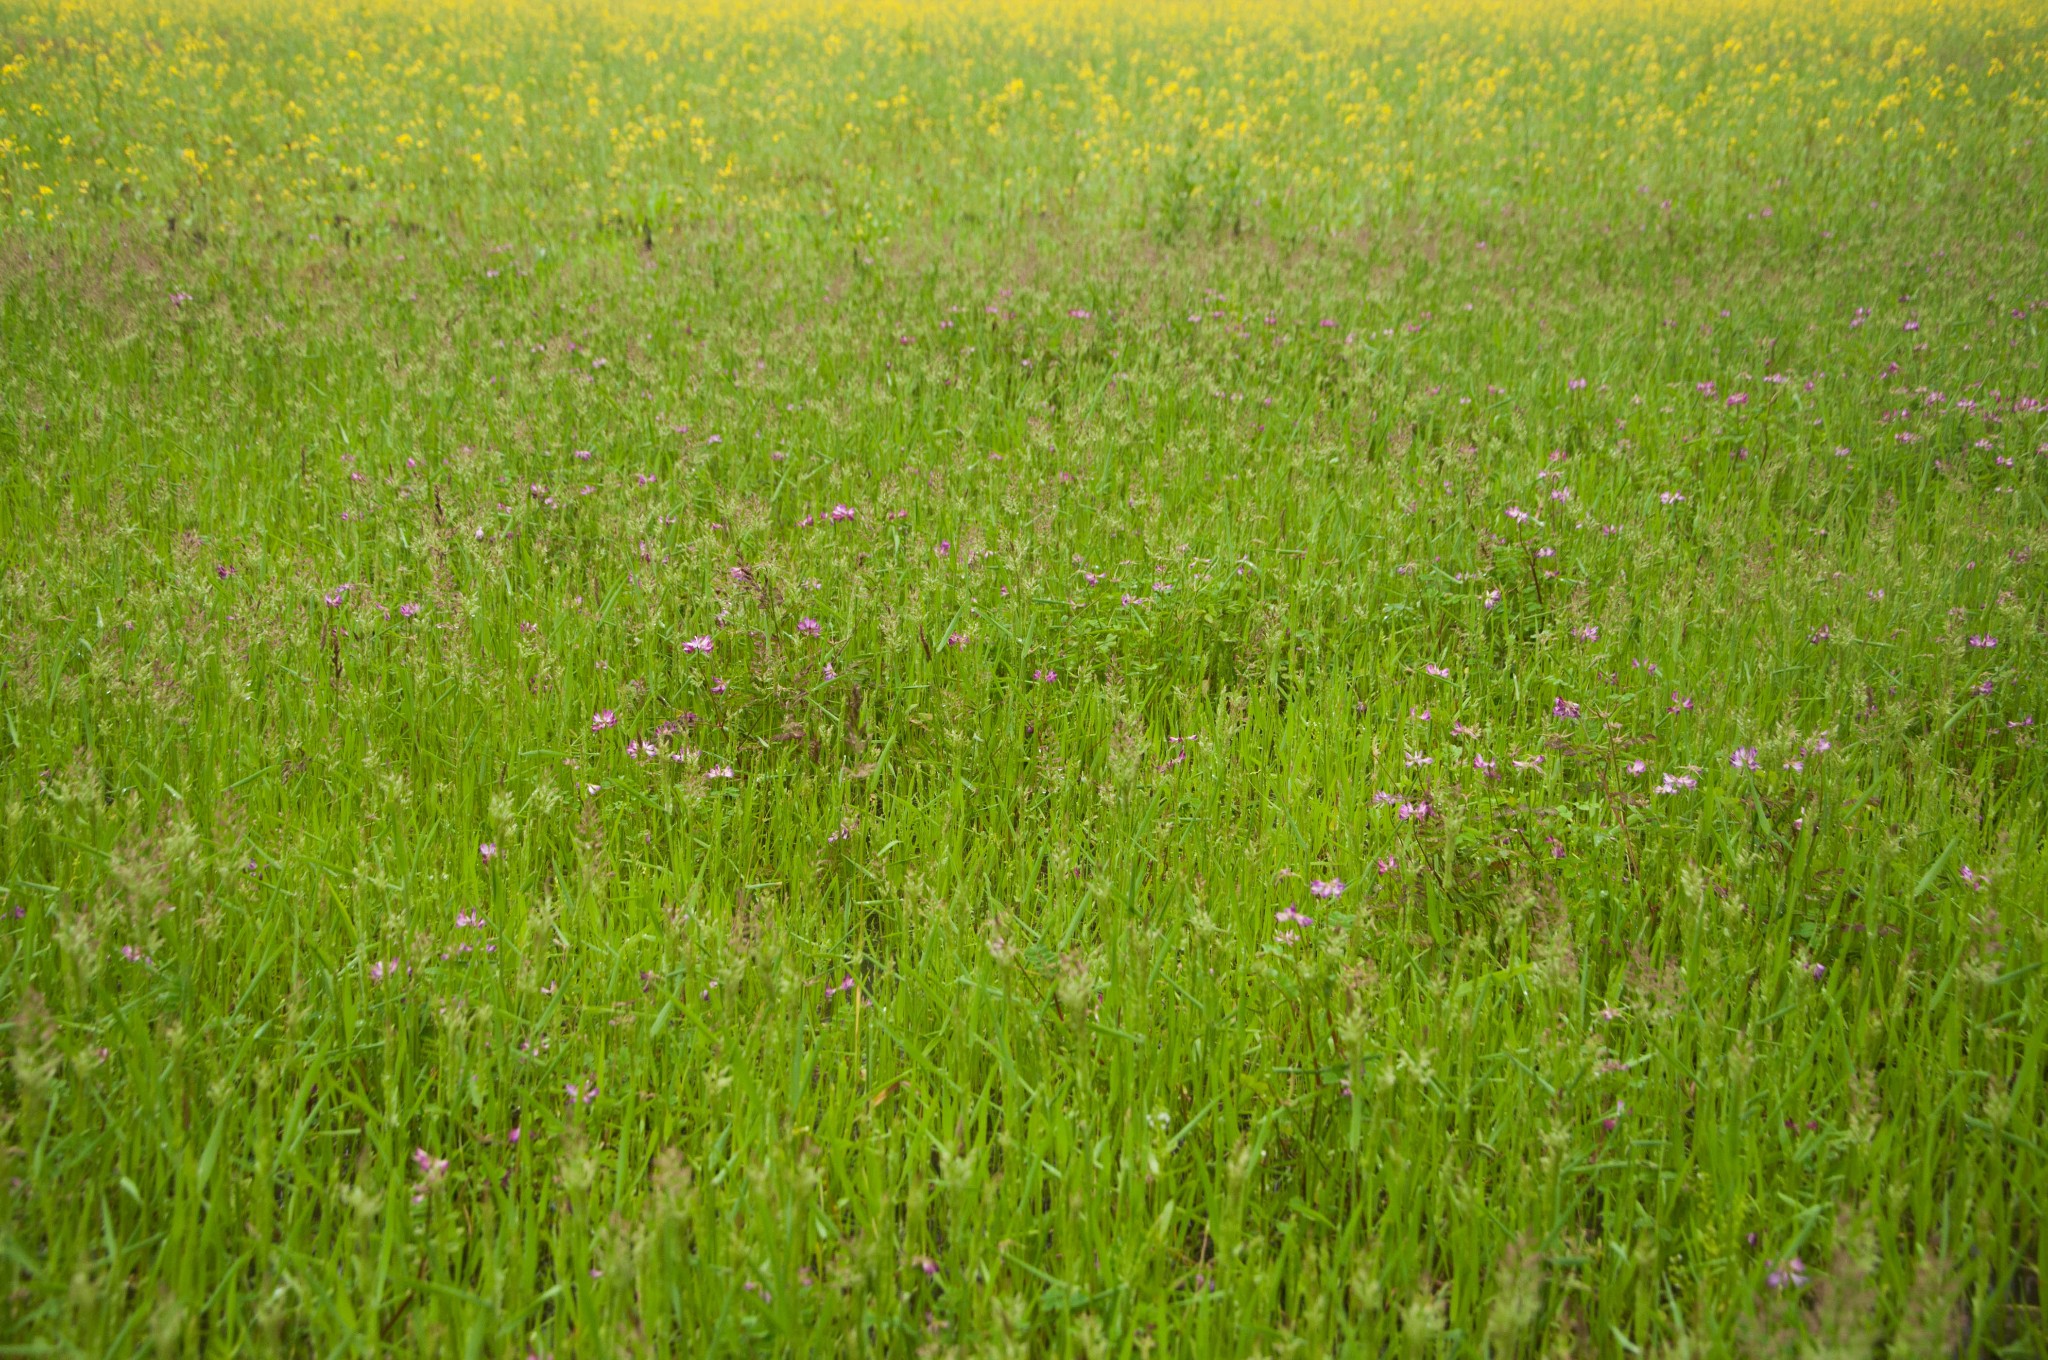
(1013,679)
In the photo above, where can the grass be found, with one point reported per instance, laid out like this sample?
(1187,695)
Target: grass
(1022,681)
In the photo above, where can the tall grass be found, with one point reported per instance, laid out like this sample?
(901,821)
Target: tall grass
(1074,681)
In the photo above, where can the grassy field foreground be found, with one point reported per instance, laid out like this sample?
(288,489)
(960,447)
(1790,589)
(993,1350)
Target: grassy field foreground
(1022,680)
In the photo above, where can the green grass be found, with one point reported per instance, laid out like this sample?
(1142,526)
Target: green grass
(1217,515)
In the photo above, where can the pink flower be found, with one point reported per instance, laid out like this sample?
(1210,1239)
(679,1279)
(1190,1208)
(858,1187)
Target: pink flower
(1983,640)
(808,627)
(1387,865)
(1044,677)
(1976,880)
(602,719)
(488,851)
(701,643)
(1325,888)
(840,514)
(1743,758)
(408,610)
(1792,1274)
(1563,708)
(1289,914)
(1412,812)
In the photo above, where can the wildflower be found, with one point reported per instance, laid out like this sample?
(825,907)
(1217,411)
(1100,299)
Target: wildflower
(1492,600)
(1575,385)
(1743,758)
(957,640)
(701,643)
(1679,703)
(1590,633)
(945,547)
(1563,708)
(717,685)
(1387,865)
(1677,783)
(720,772)
(585,1094)
(1044,677)
(1416,759)
(1978,881)
(839,514)
(223,571)
(383,968)
(602,719)
(1789,1274)
(1983,640)
(1638,767)
(1738,398)
(335,596)
(488,851)
(408,610)
(1440,672)
(1412,812)
(808,627)
(1518,514)
(1819,635)
(1287,914)
(1325,888)
(1485,766)
(1670,497)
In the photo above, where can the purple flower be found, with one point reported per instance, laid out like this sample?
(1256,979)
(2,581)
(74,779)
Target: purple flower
(1412,812)
(1576,384)
(223,570)
(1983,640)
(699,644)
(1289,914)
(1563,708)
(808,627)
(840,514)
(1677,783)
(1976,880)
(408,610)
(1787,1275)
(1743,758)
(488,851)
(1045,677)
(602,719)
(1325,888)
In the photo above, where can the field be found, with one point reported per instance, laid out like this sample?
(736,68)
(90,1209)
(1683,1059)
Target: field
(1023,680)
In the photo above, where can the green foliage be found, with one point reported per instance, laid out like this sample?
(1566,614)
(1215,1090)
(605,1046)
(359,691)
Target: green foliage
(1442,774)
